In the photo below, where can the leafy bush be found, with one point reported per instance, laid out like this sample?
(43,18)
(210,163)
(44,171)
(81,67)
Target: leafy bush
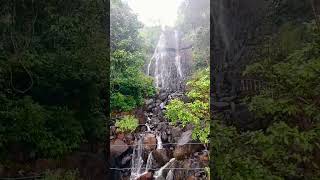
(127,124)
(195,112)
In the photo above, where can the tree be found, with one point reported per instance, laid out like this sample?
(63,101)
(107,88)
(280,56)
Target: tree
(128,83)
(53,76)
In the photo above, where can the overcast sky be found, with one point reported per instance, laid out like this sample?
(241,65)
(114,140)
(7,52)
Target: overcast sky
(154,12)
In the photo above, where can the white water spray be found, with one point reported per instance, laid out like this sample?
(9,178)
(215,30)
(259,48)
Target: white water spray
(158,174)
(165,65)
(159,142)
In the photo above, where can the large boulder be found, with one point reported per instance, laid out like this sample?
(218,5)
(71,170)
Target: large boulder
(146,176)
(118,147)
(161,156)
(150,142)
(184,150)
(175,132)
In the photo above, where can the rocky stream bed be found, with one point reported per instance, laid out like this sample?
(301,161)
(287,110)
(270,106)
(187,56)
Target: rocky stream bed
(157,150)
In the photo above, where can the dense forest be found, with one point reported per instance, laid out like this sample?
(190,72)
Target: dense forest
(278,137)
(53,83)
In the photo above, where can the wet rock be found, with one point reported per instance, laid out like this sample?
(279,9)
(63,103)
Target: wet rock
(162,126)
(156,110)
(185,137)
(129,139)
(163,96)
(204,159)
(189,127)
(176,133)
(147,176)
(139,114)
(164,136)
(192,178)
(155,120)
(120,135)
(148,102)
(126,160)
(150,142)
(184,150)
(161,156)
(118,147)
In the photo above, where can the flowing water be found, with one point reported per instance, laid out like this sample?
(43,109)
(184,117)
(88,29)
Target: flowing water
(159,142)
(138,166)
(137,161)
(148,127)
(166,63)
(170,175)
(159,174)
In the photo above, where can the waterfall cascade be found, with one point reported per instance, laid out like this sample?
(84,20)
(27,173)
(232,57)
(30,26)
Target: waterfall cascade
(137,161)
(159,142)
(159,174)
(169,64)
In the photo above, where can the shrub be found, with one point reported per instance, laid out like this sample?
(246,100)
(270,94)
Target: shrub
(127,124)
(195,112)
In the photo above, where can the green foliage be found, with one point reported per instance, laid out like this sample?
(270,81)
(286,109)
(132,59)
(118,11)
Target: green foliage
(45,132)
(53,76)
(275,154)
(294,83)
(290,102)
(61,175)
(127,124)
(128,83)
(286,149)
(195,112)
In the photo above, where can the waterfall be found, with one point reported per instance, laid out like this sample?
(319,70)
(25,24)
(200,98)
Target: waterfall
(170,175)
(137,161)
(158,174)
(149,162)
(165,64)
(159,142)
(178,57)
(148,127)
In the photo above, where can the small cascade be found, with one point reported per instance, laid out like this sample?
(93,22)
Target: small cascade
(148,127)
(149,162)
(178,57)
(159,174)
(137,161)
(170,175)
(159,141)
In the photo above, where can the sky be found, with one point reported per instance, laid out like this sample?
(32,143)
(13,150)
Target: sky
(155,12)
